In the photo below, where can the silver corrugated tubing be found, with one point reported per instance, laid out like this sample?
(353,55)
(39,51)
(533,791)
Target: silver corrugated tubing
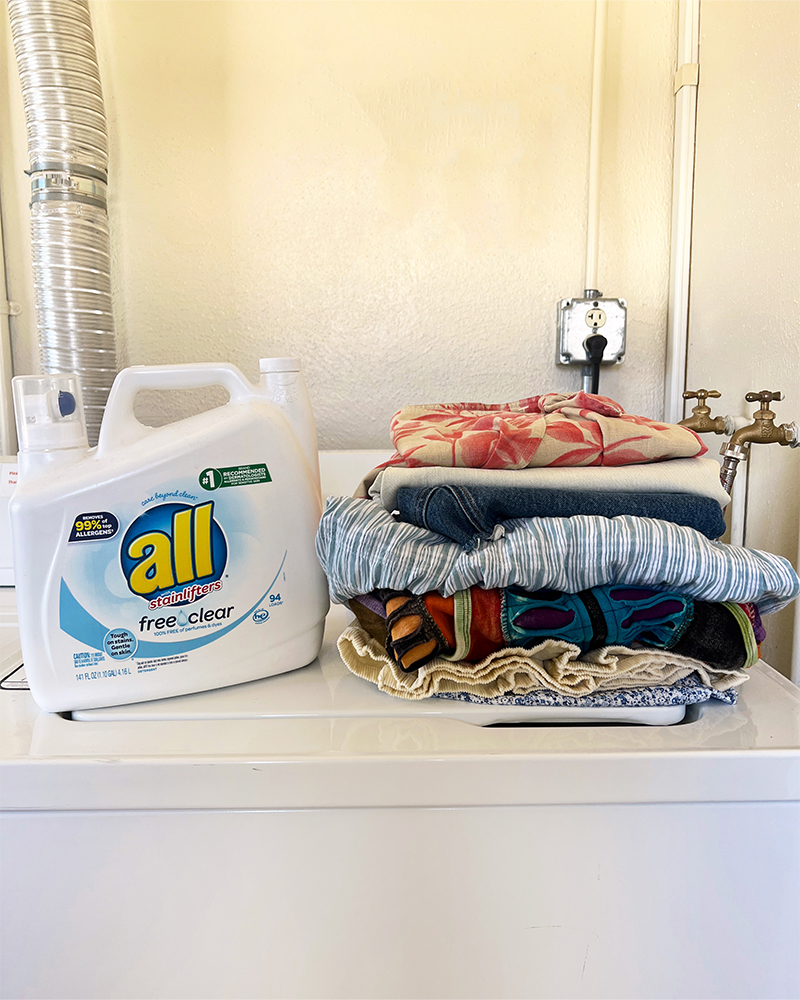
(68,152)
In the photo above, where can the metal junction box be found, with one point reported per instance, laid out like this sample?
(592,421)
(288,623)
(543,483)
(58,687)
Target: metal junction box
(580,318)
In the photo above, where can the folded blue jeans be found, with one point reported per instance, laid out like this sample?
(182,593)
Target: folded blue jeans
(469,514)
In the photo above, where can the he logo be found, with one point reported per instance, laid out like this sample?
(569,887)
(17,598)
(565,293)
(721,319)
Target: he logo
(169,547)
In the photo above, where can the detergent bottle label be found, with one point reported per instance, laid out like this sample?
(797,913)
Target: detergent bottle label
(146,583)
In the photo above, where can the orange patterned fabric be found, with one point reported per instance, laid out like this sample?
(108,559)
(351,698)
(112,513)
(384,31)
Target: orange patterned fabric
(485,629)
(550,430)
(442,612)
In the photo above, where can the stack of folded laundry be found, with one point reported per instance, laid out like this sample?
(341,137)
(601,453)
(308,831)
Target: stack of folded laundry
(551,551)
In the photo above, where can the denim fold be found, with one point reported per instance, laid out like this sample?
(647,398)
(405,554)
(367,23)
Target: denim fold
(470,515)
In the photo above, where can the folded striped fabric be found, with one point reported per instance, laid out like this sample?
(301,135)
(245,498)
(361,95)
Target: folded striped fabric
(361,548)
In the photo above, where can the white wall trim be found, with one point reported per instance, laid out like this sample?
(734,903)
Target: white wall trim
(8,437)
(595,144)
(682,193)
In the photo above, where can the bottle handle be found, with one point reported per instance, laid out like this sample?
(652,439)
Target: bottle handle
(120,425)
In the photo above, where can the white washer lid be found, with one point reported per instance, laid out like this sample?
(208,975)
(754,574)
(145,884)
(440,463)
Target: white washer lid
(402,756)
(327,689)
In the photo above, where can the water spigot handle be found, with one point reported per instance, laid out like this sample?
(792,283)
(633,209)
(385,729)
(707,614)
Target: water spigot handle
(702,394)
(765,397)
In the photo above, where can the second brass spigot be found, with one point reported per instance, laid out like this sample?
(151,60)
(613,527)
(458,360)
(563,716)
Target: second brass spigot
(761,431)
(701,420)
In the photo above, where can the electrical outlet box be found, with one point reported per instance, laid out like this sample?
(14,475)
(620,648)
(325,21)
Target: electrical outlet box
(580,318)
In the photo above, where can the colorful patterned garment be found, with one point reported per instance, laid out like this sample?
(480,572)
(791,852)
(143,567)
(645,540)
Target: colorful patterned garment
(474,623)
(550,430)
(362,548)
(603,616)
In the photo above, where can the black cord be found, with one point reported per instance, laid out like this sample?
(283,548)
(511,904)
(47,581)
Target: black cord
(595,345)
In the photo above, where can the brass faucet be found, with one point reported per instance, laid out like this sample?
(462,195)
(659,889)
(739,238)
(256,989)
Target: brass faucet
(701,420)
(761,431)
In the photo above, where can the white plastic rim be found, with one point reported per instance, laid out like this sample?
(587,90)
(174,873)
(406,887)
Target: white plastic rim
(267,365)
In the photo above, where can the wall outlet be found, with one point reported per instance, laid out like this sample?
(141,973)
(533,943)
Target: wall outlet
(580,318)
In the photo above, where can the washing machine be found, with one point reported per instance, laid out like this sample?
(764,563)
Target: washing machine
(308,836)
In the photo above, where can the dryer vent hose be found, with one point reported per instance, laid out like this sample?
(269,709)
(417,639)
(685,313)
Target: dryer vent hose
(68,152)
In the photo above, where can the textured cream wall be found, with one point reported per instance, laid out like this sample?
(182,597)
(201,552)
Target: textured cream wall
(394,191)
(744,331)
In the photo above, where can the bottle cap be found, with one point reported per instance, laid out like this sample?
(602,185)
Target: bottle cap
(49,412)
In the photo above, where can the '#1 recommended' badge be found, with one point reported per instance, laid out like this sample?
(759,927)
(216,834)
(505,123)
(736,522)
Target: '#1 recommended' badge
(236,475)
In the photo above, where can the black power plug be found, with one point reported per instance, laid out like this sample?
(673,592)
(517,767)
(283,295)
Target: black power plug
(595,345)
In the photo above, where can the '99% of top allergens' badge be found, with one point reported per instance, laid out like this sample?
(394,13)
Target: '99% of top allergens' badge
(94,526)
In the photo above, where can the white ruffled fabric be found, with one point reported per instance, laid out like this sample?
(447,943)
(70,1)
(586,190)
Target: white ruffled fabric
(552,665)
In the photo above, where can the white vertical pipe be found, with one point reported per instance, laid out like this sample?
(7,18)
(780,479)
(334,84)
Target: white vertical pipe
(595,139)
(8,437)
(796,643)
(681,238)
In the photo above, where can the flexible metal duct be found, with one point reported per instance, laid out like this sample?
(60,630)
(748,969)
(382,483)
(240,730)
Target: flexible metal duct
(68,152)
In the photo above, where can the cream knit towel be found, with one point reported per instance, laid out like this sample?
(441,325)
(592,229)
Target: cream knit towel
(680,475)
(553,665)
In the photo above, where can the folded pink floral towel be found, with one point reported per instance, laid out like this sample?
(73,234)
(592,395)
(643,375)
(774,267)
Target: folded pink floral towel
(553,429)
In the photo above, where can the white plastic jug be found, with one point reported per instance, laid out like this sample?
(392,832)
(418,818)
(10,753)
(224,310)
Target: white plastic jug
(167,560)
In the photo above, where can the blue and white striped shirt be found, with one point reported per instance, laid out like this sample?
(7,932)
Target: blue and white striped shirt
(362,547)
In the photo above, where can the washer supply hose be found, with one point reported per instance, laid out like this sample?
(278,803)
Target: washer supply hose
(68,154)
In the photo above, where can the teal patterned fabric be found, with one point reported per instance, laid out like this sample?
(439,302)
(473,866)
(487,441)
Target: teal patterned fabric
(613,615)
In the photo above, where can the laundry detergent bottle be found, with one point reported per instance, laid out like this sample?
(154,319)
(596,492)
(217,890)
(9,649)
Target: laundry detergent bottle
(167,560)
